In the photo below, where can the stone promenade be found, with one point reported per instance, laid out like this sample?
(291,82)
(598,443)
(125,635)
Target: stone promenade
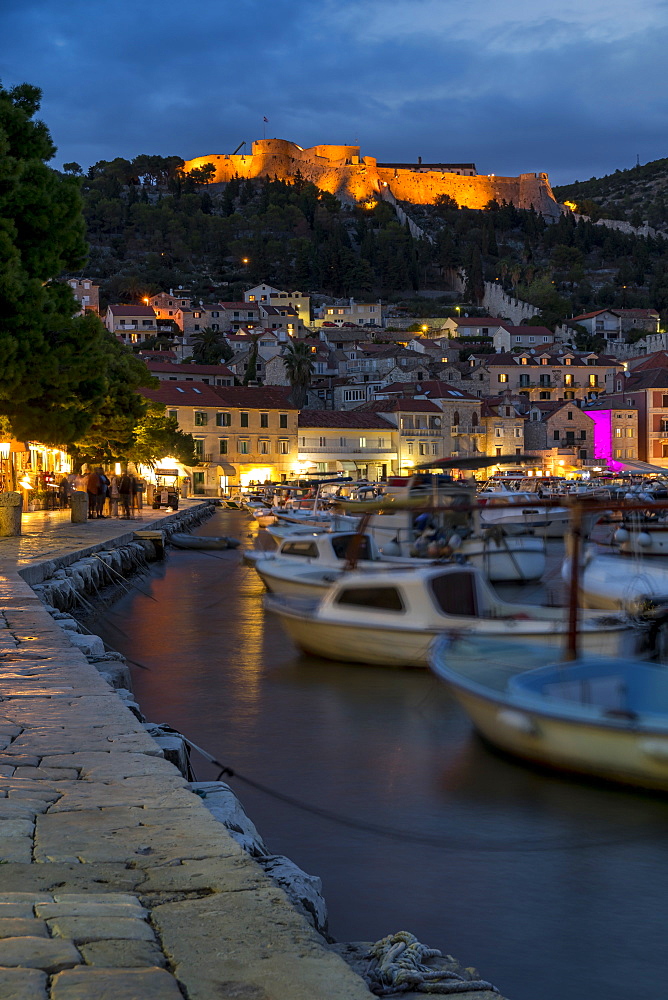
(116,882)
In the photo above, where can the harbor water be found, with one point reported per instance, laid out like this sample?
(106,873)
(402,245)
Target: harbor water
(552,887)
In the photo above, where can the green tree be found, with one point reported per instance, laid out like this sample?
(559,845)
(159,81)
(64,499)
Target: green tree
(52,372)
(158,436)
(298,361)
(210,347)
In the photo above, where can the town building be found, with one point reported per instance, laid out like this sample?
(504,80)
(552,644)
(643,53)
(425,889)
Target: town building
(523,338)
(647,392)
(546,376)
(172,372)
(615,432)
(87,294)
(357,313)
(615,325)
(562,428)
(268,296)
(165,304)
(131,324)
(241,434)
(359,444)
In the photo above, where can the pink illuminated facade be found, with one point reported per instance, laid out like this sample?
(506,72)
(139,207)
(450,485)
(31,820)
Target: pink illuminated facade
(615,433)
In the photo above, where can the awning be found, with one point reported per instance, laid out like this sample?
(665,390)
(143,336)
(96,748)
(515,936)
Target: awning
(226,469)
(642,468)
(348,466)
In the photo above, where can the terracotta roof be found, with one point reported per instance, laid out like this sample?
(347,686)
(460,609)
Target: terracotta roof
(657,360)
(653,378)
(480,321)
(200,394)
(248,306)
(434,388)
(529,330)
(183,370)
(403,404)
(124,310)
(151,356)
(342,418)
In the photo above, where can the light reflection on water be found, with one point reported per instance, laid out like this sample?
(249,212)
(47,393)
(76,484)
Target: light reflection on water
(391,748)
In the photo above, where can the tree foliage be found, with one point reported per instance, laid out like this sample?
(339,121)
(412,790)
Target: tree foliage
(158,436)
(298,361)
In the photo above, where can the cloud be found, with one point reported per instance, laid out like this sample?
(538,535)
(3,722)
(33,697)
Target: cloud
(518,87)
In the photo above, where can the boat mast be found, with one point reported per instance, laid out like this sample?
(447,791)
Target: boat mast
(571,652)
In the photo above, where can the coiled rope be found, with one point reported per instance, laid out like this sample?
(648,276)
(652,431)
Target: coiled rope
(398,966)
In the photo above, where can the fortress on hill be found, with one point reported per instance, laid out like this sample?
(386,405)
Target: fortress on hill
(343,172)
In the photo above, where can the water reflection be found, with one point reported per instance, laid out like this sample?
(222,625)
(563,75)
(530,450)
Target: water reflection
(498,866)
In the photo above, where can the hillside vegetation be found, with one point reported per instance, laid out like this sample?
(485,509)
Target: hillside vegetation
(152,227)
(638,195)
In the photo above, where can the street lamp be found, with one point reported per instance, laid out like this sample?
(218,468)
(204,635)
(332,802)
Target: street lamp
(245,260)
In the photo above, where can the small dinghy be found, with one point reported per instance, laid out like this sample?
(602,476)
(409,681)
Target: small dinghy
(183,541)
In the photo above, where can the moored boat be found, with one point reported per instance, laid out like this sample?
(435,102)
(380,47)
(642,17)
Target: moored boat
(391,616)
(595,715)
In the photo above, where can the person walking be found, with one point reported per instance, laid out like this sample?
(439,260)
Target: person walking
(126,491)
(92,488)
(114,495)
(101,493)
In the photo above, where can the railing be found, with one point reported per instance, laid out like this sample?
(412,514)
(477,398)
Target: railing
(467,429)
(421,431)
(308,449)
(661,433)
(205,458)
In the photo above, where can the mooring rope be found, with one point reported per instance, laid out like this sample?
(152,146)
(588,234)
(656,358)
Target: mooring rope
(398,966)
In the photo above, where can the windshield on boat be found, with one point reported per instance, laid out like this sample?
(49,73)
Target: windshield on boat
(374,598)
(455,593)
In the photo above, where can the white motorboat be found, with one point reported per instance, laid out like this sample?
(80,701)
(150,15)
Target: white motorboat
(511,554)
(616,582)
(502,507)
(594,715)
(391,616)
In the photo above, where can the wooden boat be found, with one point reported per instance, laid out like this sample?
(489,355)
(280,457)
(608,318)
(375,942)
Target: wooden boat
(184,541)
(391,616)
(595,715)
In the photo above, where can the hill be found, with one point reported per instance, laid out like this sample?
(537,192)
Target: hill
(638,195)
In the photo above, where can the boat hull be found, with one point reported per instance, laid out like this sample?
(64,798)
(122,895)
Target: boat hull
(409,647)
(623,756)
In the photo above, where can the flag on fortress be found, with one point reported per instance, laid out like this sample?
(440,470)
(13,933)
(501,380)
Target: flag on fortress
(265,119)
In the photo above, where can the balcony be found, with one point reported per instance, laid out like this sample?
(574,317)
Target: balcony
(205,458)
(467,429)
(309,449)
(421,431)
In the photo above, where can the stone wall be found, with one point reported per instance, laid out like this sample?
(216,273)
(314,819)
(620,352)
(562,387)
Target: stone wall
(343,172)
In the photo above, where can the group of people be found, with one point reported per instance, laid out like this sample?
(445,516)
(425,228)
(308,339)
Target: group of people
(109,493)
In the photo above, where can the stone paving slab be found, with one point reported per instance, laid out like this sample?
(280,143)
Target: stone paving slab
(118,883)
(116,984)
(23,984)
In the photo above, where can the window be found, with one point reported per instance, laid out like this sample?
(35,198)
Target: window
(323,442)
(567,361)
(498,432)
(583,435)
(518,432)
(381,442)
(593,380)
(618,452)
(629,432)
(353,395)
(244,419)
(422,448)
(200,419)
(243,448)
(503,378)
(173,414)
(583,452)
(570,414)
(283,447)
(555,435)
(543,361)
(409,447)
(434,449)
(497,451)
(378,598)
(264,420)
(264,447)
(362,442)
(222,446)
(199,447)
(524,361)
(283,420)
(455,593)
(223,419)
(544,395)
(343,442)
(544,379)
(524,379)
(308,549)
(568,378)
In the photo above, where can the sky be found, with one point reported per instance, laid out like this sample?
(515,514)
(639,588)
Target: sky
(575,89)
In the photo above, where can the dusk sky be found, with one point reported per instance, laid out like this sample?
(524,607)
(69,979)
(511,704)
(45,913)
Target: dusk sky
(576,89)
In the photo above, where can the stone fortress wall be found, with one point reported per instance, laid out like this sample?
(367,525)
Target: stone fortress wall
(343,172)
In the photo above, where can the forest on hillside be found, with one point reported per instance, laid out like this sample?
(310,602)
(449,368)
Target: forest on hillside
(638,195)
(151,226)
